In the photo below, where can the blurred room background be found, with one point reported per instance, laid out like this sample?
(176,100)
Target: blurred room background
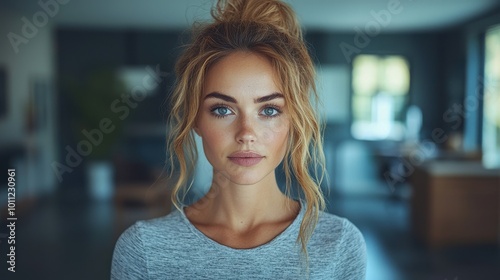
(410,96)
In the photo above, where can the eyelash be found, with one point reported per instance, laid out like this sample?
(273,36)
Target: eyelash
(220,105)
(275,107)
(217,106)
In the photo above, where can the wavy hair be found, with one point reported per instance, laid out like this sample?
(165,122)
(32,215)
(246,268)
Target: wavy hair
(268,28)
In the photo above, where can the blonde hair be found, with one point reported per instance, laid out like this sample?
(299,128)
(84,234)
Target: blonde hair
(268,28)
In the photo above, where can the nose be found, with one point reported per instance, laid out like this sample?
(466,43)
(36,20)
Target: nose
(245,131)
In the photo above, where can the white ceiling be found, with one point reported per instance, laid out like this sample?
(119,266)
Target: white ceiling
(335,15)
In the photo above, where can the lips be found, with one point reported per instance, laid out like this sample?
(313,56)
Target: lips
(245,158)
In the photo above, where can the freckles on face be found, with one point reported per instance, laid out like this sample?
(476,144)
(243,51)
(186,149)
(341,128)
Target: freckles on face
(243,110)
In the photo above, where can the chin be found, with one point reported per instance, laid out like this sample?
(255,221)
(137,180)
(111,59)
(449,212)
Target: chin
(245,178)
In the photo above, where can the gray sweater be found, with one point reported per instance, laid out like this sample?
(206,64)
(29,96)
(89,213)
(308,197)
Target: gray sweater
(170,247)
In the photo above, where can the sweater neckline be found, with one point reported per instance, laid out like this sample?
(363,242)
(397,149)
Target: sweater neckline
(284,234)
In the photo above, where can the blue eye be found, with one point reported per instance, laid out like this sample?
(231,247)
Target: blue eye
(270,112)
(221,111)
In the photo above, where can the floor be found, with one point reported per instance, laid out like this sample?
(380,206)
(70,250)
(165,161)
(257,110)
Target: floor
(64,237)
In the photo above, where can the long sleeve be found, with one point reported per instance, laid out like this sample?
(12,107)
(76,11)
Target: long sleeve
(170,247)
(353,251)
(129,260)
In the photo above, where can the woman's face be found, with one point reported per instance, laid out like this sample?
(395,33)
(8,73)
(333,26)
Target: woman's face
(242,119)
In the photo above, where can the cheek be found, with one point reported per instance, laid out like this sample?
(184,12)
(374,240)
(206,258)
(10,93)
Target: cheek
(211,146)
(212,137)
(276,131)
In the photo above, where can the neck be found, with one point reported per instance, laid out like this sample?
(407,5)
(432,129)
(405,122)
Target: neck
(241,207)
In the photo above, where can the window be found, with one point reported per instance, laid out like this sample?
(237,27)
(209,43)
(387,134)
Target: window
(380,93)
(491,114)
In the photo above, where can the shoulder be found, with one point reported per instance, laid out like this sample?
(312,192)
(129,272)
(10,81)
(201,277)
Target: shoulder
(171,222)
(131,256)
(340,241)
(339,232)
(341,229)
(154,230)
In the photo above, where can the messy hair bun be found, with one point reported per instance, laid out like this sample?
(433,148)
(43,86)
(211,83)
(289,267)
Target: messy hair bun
(272,12)
(268,28)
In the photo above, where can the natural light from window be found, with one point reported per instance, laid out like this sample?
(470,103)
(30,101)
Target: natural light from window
(491,114)
(380,93)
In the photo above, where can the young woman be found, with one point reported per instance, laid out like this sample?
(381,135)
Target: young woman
(244,86)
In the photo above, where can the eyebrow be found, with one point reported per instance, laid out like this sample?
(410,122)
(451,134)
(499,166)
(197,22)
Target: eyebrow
(232,100)
(221,96)
(268,97)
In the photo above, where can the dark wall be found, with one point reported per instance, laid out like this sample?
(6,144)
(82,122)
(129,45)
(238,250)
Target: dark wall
(437,61)
(81,52)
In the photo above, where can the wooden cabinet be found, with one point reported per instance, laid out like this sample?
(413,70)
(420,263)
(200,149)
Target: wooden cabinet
(455,203)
